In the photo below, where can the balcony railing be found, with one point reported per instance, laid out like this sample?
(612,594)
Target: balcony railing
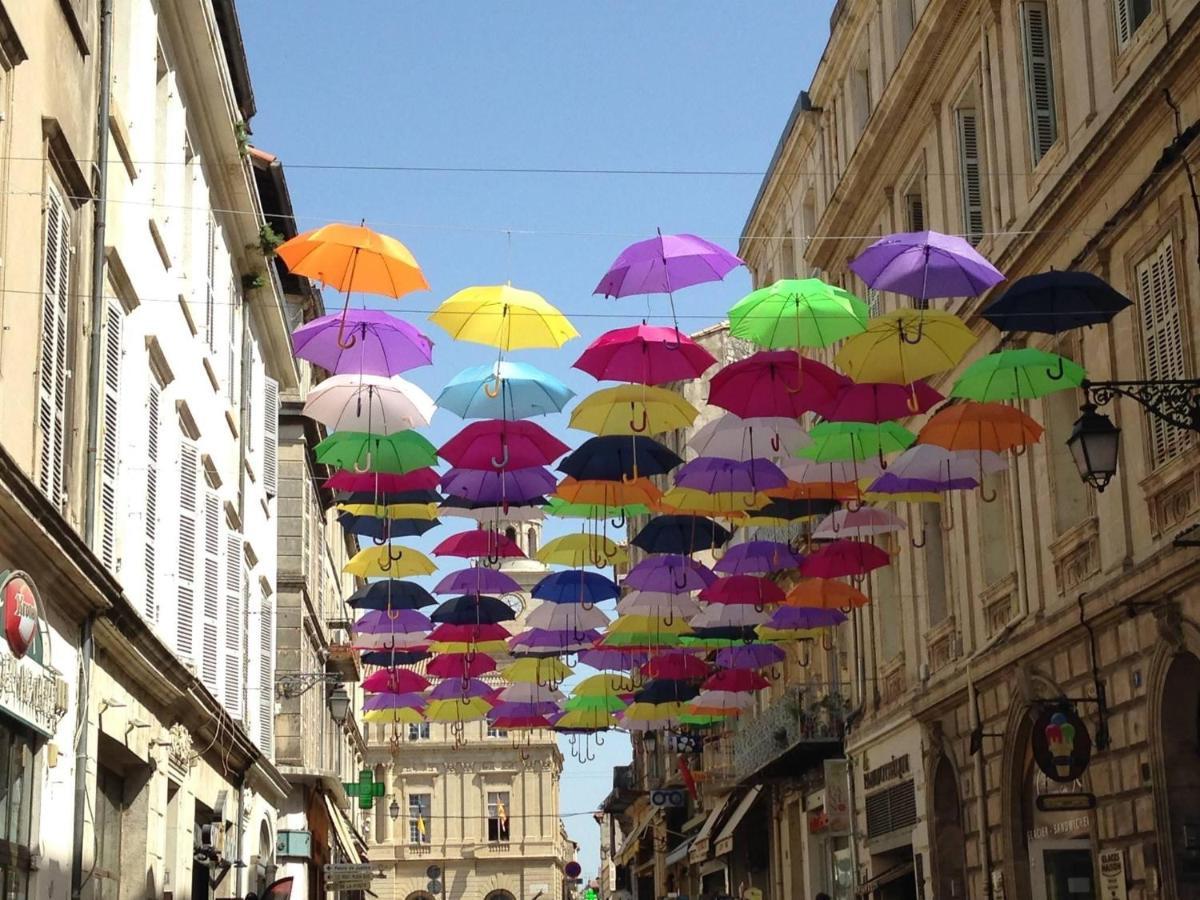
(801,716)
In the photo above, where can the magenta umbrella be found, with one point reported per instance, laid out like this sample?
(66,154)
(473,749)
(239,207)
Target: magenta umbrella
(477,580)
(925,264)
(506,486)
(881,402)
(478,543)
(775,383)
(788,617)
(644,354)
(501,444)
(757,558)
(717,476)
(382,344)
(669,573)
(844,557)
(617,660)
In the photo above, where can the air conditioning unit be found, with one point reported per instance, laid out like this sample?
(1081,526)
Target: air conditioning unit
(294,844)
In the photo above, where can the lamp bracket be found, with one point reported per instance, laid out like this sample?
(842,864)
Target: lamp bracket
(294,684)
(1174,400)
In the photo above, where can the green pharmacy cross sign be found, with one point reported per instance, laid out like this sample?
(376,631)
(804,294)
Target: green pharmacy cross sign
(366,789)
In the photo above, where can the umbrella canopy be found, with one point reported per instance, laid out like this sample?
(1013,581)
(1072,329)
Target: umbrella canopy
(566,616)
(669,573)
(881,401)
(1018,375)
(383,344)
(397,504)
(859,523)
(481,542)
(746,590)
(384,529)
(396,621)
(718,616)
(657,605)
(498,486)
(424,511)
(797,312)
(980,426)
(757,558)
(735,681)
(834,471)
(786,510)
(353,258)
(460,665)
(925,264)
(825,593)
(639,491)
(936,464)
(473,609)
(401,716)
(575,586)
(581,720)
(844,557)
(904,345)
(395,700)
(468,633)
(504,390)
(529,692)
(530,510)
(855,440)
(399,453)
(750,656)
(675,666)
(476,580)
(666,263)
(602,685)
(667,690)
(1054,302)
(500,444)
(579,550)
(394,681)
(408,656)
(715,475)
(503,316)
(455,688)
(644,354)
(775,383)
(538,671)
(633,409)
(680,534)
(390,594)
(760,437)
(380,483)
(389,561)
(727,505)
(805,618)
(614,457)
(563,509)
(621,660)
(552,642)
(644,632)
(457,710)
(375,404)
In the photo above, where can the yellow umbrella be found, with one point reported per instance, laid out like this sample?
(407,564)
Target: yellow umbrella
(579,550)
(730,504)
(353,258)
(503,316)
(424,511)
(389,561)
(531,670)
(904,345)
(403,715)
(606,684)
(767,633)
(491,648)
(633,409)
(457,710)
(649,625)
(585,720)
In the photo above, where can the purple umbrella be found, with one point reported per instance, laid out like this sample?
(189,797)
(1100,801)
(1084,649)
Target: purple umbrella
(541,640)
(477,580)
(788,617)
(718,476)
(384,345)
(513,485)
(396,621)
(506,709)
(454,689)
(669,573)
(394,701)
(750,656)
(619,660)
(758,558)
(664,264)
(888,483)
(925,264)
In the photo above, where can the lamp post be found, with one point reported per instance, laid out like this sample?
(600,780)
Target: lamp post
(1095,440)
(296,684)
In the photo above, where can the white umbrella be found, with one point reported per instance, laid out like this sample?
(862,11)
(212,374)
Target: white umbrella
(762,437)
(657,605)
(807,471)
(860,523)
(738,615)
(369,403)
(565,617)
(530,692)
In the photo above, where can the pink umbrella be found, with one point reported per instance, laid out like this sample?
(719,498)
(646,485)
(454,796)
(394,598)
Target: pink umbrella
(501,444)
(863,522)
(477,580)
(881,402)
(382,482)
(844,557)
(394,681)
(644,354)
(775,383)
(744,590)
(478,544)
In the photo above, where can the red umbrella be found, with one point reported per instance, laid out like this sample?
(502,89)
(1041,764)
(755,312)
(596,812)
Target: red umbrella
(644,354)
(739,680)
(675,667)
(394,681)
(460,665)
(881,402)
(743,589)
(469,634)
(844,557)
(382,482)
(499,443)
(479,543)
(775,383)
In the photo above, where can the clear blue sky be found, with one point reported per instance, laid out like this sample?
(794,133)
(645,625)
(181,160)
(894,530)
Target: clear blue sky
(656,84)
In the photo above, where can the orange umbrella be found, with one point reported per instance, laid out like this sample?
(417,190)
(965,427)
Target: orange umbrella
(353,258)
(825,593)
(609,493)
(980,426)
(833,490)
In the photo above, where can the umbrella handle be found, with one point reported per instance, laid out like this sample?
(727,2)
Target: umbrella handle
(919,544)
(678,340)
(644,425)
(491,391)
(599,739)
(678,583)
(1057,375)
(502,461)
(669,618)
(913,404)
(385,562)
(806,656)
(586,606)
(1020,451)
(776,443)
(366,467)
(983,494)
(525,755)
(628,479)
(598,559)
(718,553)
(619,523)
(949,524)
(379,541)
(827,645)
(916,339)
(399,556)
(344,341)
(854,505)
(615,551)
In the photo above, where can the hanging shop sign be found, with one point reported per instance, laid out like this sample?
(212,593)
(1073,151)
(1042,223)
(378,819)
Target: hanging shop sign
(837,796)
(1112,875)
(30,690)
(1062,746)
(21,604)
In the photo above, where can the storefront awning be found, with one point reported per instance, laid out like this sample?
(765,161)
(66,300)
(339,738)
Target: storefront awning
(629,846)
(725,838)
(341,832)
(704,836)
(893,874)
(679,854)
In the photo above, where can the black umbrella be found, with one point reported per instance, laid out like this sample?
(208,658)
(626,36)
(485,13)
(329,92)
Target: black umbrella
(680,534)
(383,529)
(473,610)
(386,498)
(616,456)
(391,594)
(665,690)
(1053,302)
(793,509)
(453,501)
(394,657)
(744,633)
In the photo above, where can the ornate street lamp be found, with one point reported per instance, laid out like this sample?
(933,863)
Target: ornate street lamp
(339,704)
(394,808)
(1093,443)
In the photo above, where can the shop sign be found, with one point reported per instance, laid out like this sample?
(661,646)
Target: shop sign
(1065,802)
(1112,875)
(837,796)
(890,771)
(1062,746)
(29,690)
(817,823)
(20,611)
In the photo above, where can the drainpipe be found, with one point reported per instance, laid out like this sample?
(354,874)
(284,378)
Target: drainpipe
(86,639)
(243,448)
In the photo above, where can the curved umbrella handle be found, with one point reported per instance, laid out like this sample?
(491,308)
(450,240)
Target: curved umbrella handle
(344,341)
(983,494)
(381,540)
(833,524)
(827,643)
(633,426)
(526,755)
(385,562)
(491,391)
(598,559)
(493,559)
(616,551)
(854,504)
(669,618)
(619,523)
(398,556)
(1057,375)
(916,338)
(598,738)
(776,442)
(681,584)
(913,404)
(919,544)
(806,656)
(948,524)
(587,605)
(503,460)
(1020,451)
(366,467)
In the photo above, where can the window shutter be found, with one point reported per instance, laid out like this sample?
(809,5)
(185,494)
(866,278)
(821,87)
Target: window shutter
(231,352)
(1122,21)
(972,184)
(210,298)
(271,436)
(150,606)
(52,371)
(266,676)
(209,652)
(189,501)
(915,211)
(235,649)
(874,302)
(1162,335)
(110,449)
(1039,77)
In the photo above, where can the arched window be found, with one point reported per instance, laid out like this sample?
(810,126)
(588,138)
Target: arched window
(510,533)
(419,895)
(1180,732)
(531,539)
(499,895)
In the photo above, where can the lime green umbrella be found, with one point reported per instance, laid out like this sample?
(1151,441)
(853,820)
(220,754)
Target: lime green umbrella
(704,721)
(1018,375)
(399,453)
(832,441)
(564,509)
(797,312)
(590,704)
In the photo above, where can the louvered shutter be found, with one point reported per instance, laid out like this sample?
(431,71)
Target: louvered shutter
(189,501)
(150,605)
(210,298)
(972,183)
(110,450)
(874,302)
(211,605)
(1039,77)
(1122,21)
(270,436)
(1162,335)
(52,369)
(235,649)
(266,676)
(915,211)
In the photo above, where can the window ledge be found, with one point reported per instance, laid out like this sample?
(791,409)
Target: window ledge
(1076,554)
(156,232)
(1173,491)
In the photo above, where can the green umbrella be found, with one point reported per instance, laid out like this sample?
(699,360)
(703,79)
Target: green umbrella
(564,509)
(833,441)
(399,453)
(699,721)
(1018,375)
(601,703)
(797,312)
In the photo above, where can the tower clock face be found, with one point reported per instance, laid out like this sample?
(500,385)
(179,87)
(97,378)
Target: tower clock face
(515,602)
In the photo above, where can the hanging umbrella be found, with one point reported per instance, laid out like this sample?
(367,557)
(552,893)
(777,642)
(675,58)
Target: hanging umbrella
(743,590)
(579,550)
(797,312)
(503,486)
(925,264)
(424,511)
(621,660)
(775,383)
(473,609)
(457,711)
(477,544)
(735,681)
(529,692)
(844,557)
(522,716)
(632,409)
(394,681)
(552,642)
(666,263)
(396,621)
(881,401)
(399,716)
(458,688)
(609,493)
(538,671)
(784,511)
(503,316)
(727,505)
(806,618)
(476,580)
(512,511)
(671,573)
(904,345)
(723,704)
(657,605)
(980,426)
(394,700)
(603,685)
(566,616)
(718,616)
(389,561)
(409,656)
(390,594)
(563,509)
(644,632)
(421,504)
(380,483)
(617,457)
(384,344)
(750,656)
(383,529)
(757,558)
(395,640)
(667,690)
(399,453)
(890,487)
(369,403)
(468,633)
(575,586)
(856,440)
(1017,375)
(825,593)
(504,390)
(461,666)
(500,444)
(859,523)
(931,463)
(640,717)
(675,667)
(714,475)
(1054,302)
(584,720)
(762,437)
(680,534)
(831,472)
(644,354)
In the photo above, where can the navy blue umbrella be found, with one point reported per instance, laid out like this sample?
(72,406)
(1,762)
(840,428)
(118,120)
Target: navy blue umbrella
(1053,302)
(391,594)
(473,610)
(681,534)
(616,456)
(793,509)
(383,529)
(665,690)
(394,657)
(576,586)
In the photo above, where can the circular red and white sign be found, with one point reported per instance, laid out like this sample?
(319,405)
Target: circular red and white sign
(20,614)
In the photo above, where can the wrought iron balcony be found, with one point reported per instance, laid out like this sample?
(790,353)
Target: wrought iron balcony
(803,724)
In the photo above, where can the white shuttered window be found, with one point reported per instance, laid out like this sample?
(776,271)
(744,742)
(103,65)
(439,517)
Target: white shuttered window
(266,675)
(110,448)
(1128,16)
(209,631)
(970,177)
(270,436)
(153,423)
(1039,77)
(1162,337)
(189,534)
(52,367)
(235,623)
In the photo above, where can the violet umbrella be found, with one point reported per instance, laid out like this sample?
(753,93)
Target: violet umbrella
(613,659)
(396,621)
(515,710)
(503,487)
(539,641)
(385,345)
(718,476)
(750,656)
(669,573)
(390,700)
(924,265)
(757,558)
(790,618)
(477,580)
(454,688)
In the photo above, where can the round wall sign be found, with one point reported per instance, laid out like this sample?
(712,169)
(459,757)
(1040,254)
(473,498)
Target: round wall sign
(1062,746)
(20,613)
(572,869)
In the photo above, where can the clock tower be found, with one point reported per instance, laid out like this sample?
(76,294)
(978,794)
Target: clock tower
(526,571)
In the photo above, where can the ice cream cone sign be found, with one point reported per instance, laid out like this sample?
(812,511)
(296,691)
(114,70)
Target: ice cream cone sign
(1060,737)
(1062,746)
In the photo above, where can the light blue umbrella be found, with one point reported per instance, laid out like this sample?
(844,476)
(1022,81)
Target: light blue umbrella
(504,390)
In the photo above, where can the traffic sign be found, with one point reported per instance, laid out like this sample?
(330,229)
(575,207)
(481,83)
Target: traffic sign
(572,869)
(348,876)
(433,873)
(434,887)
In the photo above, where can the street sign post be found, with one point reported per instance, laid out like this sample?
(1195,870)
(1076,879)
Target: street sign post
(341,877)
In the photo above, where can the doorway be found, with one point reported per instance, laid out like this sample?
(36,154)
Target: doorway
(1061,870)
(1180,730)
(949,844)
